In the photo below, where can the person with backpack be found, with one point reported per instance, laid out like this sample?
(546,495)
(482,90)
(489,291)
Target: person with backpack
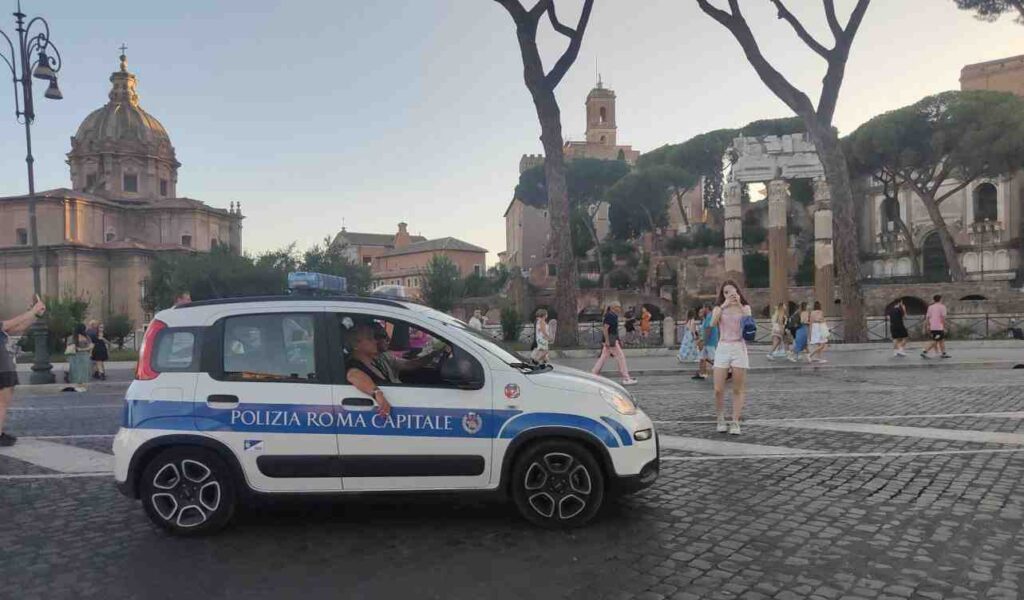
(732,315)
(799,323)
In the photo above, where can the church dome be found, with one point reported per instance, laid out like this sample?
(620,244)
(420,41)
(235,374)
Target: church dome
(121,119)
(122,152)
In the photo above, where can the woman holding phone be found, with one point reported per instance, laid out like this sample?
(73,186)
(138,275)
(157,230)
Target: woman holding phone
(728,316)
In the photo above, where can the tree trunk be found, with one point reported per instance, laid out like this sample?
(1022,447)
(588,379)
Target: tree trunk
(558,209)
(905,231)
(844,230)
(597,241)
(679,202)
(956,272)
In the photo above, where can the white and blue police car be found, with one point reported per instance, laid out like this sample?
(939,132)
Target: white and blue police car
(243,397)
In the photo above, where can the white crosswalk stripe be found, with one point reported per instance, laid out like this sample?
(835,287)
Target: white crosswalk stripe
(721,448)
(933,433)
(62,458)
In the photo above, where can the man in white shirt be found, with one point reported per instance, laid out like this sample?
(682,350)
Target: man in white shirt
(477,321)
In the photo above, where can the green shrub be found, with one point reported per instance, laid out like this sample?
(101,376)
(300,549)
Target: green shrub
(511,324)
(62,314)
(755,268)
(117,328)
(620,279)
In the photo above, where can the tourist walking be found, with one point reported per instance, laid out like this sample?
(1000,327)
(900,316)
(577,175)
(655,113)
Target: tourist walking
(935,327)
(819,334)
(645,323)
(610,345)
(778,332)
(898,329)
(688,343)
(477,321)
(78,352)
(16,325)
(731,353)
(800,325)
(100,353)
(541,352)
(709,334)
(630,317)
(698,341)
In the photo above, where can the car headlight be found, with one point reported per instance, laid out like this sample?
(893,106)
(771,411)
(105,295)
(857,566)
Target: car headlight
(622,404)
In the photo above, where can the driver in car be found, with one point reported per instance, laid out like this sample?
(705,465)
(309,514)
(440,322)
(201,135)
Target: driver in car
(391,366)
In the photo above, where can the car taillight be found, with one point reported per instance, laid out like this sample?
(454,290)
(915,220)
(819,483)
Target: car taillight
(144,370)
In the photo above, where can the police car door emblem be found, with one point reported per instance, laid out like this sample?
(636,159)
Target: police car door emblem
(253,445)
(511,391)
(472,423)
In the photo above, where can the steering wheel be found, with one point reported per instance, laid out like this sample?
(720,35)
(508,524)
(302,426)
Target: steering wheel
(443,357)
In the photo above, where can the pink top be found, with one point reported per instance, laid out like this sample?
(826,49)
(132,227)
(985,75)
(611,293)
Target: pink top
(936,317)
(730,324)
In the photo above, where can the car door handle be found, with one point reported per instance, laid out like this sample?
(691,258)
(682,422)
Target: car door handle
(359,402)
(222,399)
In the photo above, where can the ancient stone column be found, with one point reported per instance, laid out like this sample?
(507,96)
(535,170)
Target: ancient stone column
(778,241)
(734,231)
(823,279)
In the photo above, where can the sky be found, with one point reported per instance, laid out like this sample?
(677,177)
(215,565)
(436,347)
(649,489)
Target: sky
(315,114)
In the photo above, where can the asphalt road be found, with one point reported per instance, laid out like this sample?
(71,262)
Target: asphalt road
(845,484)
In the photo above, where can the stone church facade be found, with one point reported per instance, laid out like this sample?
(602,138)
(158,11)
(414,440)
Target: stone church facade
(985,218)
(98,237)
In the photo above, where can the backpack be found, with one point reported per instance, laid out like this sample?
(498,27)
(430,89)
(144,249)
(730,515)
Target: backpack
(793,322)
(749,327)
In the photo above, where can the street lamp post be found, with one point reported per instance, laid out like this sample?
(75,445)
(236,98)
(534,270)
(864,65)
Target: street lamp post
(32,55)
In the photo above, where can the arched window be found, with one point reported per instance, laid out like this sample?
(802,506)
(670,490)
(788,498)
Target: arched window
(985,205)
(110,236)
(602,139)
(186,240)
(602,117)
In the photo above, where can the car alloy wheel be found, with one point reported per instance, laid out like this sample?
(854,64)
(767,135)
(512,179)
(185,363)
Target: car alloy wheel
(557,483)
(558,486)
(187,493)
(188,490)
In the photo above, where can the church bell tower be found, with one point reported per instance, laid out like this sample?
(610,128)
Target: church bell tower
(601,116)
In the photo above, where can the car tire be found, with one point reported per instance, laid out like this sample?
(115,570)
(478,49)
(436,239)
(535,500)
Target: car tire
(188,491)
(557,484)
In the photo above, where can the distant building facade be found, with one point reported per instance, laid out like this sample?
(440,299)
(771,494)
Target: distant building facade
(98,238)
(528,228)
(407,265)
(984,218)
(362,248)
(401,259)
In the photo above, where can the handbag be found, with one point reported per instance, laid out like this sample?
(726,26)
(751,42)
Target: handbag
(749,327)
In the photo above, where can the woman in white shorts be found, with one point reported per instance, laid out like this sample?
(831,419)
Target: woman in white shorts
(819,335)
(731,353)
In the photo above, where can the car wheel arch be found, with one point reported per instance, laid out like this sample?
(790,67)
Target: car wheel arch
(150,449)
(522,442)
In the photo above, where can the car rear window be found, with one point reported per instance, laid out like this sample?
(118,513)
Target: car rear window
(175,351)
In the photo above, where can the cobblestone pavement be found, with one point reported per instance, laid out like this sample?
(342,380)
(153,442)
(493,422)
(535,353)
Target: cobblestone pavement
(873,511)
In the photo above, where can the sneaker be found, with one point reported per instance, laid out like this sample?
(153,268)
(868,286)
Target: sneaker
(924,355)
(791,358)
(734,428)
(7,439)
(944,355)
(629,381)
(722,427)
(770,356)
(698,376)
(821,360)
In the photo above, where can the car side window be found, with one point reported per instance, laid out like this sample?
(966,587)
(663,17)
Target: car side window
(270,347)
(402,353)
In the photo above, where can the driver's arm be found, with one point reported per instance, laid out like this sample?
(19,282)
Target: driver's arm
(408,364)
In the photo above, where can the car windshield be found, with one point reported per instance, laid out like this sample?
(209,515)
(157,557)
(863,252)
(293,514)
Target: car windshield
(487,343)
